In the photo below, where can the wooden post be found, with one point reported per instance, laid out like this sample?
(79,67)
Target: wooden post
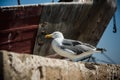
(31,67)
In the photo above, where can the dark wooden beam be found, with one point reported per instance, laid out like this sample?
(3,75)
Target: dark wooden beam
(18,2)
(65,0)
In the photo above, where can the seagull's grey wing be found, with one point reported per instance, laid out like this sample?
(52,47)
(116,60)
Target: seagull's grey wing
(71,42)
(88,45)
(72,45)
(85,46)
(76,49)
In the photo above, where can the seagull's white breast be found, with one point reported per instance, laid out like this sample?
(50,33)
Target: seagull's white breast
(56,43)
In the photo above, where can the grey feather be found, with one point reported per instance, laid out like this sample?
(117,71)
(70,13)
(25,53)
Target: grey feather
(75,46)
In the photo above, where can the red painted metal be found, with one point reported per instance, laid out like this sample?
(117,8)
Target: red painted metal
(18,28)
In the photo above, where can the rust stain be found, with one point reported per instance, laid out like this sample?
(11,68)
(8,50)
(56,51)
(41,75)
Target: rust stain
(18,27)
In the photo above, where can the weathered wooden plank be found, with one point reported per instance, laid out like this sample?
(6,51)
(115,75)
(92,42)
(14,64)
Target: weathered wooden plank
(84,21)
(30,67)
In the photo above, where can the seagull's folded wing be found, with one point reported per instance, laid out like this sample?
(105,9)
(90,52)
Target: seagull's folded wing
(72,46)
(71,42)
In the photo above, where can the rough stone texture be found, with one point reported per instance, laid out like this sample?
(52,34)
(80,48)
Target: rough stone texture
(30,67)
(85,20)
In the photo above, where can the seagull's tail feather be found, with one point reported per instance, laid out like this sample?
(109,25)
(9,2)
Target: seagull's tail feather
(101,50)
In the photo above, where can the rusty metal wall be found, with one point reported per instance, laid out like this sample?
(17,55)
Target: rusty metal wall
(18,27)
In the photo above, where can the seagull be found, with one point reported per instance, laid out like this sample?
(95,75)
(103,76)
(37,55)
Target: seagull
(71,49)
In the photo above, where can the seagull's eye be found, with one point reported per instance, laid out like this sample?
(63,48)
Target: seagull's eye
(55,34)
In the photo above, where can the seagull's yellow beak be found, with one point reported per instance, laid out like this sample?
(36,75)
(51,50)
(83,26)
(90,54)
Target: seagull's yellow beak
(48,36)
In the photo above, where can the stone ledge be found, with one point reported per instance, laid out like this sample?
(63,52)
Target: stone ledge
(31,67)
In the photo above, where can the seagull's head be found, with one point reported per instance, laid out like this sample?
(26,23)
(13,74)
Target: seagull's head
(54,35)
